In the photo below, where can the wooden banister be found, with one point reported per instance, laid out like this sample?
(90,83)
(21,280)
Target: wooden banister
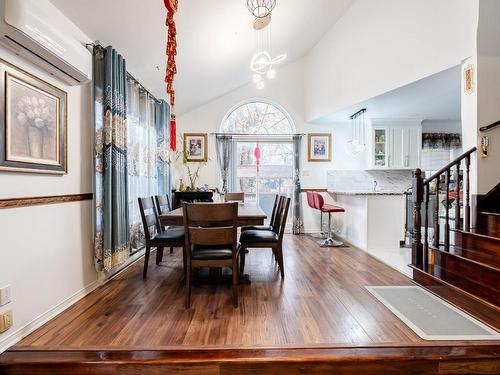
(421,192)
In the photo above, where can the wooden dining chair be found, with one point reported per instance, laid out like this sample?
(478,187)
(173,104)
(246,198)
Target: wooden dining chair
(272,221)
(163,206)
(267,239)
(234,197)
(211,240)
(155,236)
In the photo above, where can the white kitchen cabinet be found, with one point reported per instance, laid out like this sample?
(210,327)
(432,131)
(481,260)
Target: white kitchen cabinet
(395,144)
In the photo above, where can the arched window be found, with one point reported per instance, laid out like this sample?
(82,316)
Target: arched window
(257,117)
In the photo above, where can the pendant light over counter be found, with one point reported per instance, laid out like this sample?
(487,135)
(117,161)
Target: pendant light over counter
(357,144)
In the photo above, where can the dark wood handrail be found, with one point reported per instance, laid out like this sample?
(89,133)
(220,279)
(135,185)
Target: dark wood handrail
(421,193)
(449,165)
(489,127)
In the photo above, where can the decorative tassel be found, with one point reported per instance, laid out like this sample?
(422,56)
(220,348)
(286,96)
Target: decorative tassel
(173,133)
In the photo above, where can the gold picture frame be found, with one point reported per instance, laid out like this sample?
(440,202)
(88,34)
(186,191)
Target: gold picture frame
(319,147)
(196,147)
(33,123)
(469,79)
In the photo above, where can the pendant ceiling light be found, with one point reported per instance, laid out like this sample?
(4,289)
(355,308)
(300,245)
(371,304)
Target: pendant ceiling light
(261,8)
(262,63)
(356,144)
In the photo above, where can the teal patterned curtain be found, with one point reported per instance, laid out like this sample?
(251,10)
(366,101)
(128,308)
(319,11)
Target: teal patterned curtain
(297,222)
(111,242)
(224,154)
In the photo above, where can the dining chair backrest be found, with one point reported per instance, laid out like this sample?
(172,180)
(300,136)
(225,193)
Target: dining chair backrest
(319,201)
(149,217)
(232,197)
(211,224)
(275,207)
(162,204)
(283,216)
(277,217)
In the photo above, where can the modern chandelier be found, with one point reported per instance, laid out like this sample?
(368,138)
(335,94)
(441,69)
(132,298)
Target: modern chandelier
(262,63)
(261,8)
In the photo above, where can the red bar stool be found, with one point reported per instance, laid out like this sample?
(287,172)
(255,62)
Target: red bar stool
(327,208)
(312,203)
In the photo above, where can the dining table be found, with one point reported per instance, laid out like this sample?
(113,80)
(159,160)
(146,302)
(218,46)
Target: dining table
(249,213)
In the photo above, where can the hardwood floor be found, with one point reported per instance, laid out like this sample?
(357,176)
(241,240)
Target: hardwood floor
(322,300)
(320,319)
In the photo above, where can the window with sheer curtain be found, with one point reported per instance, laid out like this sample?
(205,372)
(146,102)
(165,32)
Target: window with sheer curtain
(147,154)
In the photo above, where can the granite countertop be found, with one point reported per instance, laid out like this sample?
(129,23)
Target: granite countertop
(365,192)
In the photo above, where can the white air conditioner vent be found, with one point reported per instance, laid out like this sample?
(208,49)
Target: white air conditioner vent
(39,32)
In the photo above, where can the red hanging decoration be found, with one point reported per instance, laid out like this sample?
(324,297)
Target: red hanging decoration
(173,133)
(256,153)
(171,69)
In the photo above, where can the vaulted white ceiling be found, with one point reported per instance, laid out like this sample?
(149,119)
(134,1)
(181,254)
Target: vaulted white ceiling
(215,39)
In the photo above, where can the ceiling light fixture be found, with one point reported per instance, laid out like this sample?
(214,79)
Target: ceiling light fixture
(261,8)
(262,64)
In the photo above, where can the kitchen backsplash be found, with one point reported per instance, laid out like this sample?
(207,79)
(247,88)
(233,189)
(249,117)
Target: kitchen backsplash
(363,181)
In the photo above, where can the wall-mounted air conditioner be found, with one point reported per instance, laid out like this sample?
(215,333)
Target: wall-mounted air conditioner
(39,32)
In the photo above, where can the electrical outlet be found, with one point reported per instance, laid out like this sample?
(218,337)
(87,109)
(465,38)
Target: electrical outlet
(5,296)
(6,321)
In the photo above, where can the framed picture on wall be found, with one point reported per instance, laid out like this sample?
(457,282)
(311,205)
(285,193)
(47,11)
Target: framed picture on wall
(469,79)
(196,147)
(319,147)
(33,123)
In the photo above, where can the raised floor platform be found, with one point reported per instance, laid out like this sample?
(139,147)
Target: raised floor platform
(318,319)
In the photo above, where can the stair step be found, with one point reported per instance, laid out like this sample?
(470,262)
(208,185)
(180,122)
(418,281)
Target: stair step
(477,242)
(489,223)
(489,293)
(484,258)
(479,273)
(480,309)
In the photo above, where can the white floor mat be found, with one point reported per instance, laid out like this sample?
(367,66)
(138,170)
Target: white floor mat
(429,316)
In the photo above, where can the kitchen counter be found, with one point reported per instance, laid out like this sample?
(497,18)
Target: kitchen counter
(364,192)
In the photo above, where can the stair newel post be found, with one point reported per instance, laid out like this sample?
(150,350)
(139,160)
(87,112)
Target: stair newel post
(447,213)
(467,195)
(436,215)
(426,224)
(417,197)
(457,198)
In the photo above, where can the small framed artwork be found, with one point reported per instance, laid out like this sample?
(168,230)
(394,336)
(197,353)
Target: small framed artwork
(319,147)
(196,147)
(33,123)
(469,79)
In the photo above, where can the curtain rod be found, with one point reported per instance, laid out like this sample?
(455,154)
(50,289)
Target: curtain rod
(97,44)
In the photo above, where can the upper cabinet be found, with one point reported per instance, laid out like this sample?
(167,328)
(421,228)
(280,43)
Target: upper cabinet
(394,144)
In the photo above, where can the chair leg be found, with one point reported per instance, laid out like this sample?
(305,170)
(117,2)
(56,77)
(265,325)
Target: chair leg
(242,260)
(146,261)
(159,255)
(235,283)
(279,251)
(171,249)
(188,287)
(184,263)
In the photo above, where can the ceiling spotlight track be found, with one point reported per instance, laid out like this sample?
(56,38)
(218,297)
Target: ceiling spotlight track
(261,8)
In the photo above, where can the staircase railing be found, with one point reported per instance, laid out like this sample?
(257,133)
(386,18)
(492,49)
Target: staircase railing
(422,189)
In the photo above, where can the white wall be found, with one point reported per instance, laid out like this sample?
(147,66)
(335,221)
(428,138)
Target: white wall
(381,45)
(46,252)
(482,106)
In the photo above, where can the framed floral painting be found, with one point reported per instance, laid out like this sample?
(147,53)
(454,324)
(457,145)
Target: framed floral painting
(33,123)
(195,147)
(319,147)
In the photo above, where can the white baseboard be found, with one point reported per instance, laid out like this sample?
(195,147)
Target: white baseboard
(24,331)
